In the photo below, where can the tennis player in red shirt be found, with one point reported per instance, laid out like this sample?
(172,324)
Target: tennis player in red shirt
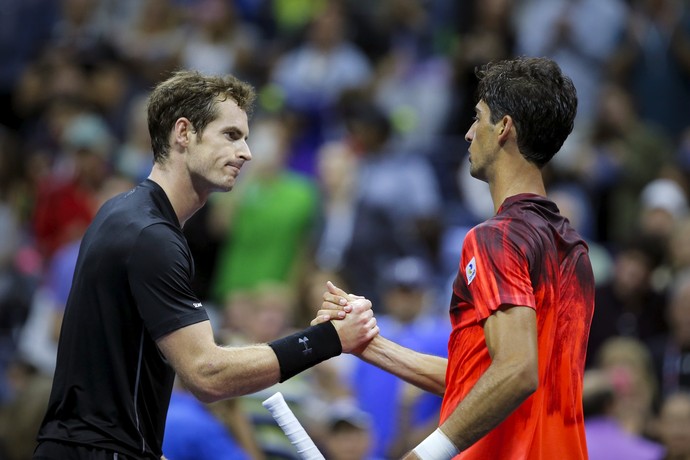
(523,297)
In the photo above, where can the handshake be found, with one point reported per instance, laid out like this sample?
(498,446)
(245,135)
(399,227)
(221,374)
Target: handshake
(352,318)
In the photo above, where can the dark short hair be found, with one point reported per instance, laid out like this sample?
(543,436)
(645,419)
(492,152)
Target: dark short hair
(540,99)
(194,96)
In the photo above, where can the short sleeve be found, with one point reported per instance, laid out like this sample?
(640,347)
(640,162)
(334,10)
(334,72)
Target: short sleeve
(160,272)
(496,270)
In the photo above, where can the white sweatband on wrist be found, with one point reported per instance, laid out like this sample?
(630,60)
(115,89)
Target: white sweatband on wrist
(436,446)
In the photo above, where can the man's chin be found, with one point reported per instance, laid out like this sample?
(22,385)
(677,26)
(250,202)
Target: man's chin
(477,174)
(223,187)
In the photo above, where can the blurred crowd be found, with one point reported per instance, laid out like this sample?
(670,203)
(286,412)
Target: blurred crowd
(359,176)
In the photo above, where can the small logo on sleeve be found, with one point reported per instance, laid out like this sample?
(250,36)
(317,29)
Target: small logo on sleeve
(471,271)
(197,304)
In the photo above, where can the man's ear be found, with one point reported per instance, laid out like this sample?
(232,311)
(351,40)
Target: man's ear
(182,131)
(505,127)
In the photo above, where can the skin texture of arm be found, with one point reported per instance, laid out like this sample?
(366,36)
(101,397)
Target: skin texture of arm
(212,372)
(424,371)
(511,336)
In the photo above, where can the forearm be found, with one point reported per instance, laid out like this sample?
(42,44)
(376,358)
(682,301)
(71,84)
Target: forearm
(248,369)
(499,391)
(233,371)
(427,372)
(211,372)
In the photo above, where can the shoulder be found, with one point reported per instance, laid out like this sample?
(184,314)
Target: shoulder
(144,218)
(499,227)
(501,236)
(141,207)
(162,240)
(530,215)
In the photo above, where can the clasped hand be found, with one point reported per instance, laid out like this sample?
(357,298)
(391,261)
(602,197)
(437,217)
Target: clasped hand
(352,318)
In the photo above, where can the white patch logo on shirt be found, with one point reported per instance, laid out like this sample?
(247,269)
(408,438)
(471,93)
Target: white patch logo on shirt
(197,305)
(471,271)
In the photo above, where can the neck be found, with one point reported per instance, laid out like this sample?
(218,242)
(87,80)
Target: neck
(519,177)
(180,190)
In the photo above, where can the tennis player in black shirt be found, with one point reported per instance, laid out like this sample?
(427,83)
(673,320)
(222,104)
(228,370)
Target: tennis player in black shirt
(132,321)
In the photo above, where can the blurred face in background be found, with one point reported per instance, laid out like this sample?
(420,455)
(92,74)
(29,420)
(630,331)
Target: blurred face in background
(327,29)
(272,312)
(628,364)
(674,426)
(270,142)
(679,314)
(679,245)
(348,442)
(337,170)
(632,273)
(403,302)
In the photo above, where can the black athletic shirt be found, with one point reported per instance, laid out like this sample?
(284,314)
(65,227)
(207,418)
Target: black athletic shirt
(131,286)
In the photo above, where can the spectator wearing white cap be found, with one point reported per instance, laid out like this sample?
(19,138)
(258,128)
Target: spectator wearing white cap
(663,203)
(348,433)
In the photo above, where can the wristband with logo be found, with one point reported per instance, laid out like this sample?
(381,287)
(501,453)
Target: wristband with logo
(306,348)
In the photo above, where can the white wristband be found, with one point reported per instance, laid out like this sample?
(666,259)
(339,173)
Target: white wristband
(436,446)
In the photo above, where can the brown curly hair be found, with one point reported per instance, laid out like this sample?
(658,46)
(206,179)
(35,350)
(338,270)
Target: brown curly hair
(194,96)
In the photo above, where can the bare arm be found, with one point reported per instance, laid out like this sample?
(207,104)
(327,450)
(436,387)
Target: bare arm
(427,372)
(511,337)
(212,372)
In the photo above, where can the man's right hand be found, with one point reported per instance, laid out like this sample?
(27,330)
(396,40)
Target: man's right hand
(336,304)
(354,319)
(357,328)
